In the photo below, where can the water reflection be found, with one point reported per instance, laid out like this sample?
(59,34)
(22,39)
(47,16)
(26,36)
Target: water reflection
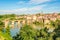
(16,29)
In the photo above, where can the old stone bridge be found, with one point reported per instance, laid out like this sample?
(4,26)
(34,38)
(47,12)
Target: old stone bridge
(13,23)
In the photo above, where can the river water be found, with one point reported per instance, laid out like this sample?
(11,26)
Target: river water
(14,31)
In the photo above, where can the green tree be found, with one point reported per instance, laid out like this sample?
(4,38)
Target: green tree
(26,33)
(1,25)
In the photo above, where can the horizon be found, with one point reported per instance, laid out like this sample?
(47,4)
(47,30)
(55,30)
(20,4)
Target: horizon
(29,6)
(29,13)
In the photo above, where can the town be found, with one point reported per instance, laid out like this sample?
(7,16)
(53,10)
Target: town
(29,19)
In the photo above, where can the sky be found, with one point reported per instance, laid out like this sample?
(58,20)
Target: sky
(29,6)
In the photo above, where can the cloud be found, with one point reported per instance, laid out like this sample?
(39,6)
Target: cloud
(21,2)
(24,10)
(38,1)
(33,2)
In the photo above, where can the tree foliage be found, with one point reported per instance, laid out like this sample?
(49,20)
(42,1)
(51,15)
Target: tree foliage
(29,33)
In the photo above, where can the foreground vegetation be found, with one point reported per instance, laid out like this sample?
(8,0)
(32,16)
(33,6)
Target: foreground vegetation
(27,32)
